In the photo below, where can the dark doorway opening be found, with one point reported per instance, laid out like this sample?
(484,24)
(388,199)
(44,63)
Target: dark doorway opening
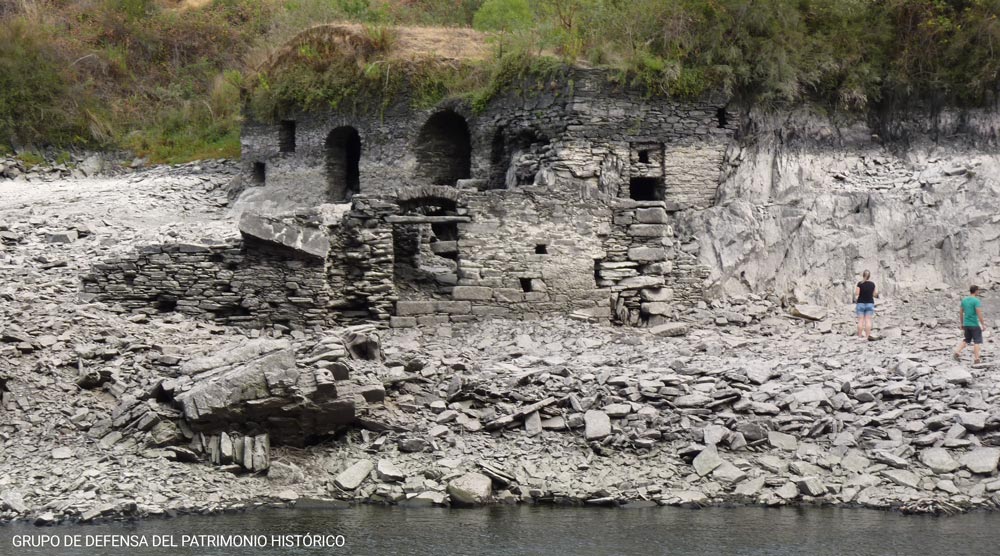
(343,155)
(722,117)
(525,284)
(259,172)
(286,136)
(541,249)
(646,189)
(444,149)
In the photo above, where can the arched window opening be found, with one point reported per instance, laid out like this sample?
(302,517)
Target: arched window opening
(444,149)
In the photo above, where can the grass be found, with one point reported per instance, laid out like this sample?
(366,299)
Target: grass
(170,83)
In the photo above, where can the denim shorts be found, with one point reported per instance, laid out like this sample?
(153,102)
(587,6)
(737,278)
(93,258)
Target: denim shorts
(865,310)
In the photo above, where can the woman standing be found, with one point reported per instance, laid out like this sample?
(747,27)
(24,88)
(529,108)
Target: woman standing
(864,296)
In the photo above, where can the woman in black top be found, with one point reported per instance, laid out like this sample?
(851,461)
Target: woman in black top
(864,296)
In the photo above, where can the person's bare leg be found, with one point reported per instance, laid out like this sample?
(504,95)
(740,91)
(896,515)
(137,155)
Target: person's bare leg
(861,326)
(868,326)
(958,352)
(975,353)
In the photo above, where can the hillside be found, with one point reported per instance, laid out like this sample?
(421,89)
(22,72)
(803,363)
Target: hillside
(164,78)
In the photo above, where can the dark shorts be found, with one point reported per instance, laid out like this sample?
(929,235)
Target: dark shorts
(973,335)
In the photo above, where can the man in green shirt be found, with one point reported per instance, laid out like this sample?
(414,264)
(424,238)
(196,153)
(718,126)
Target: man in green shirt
(971,317)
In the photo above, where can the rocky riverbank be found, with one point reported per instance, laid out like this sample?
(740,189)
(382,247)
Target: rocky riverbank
(753,405)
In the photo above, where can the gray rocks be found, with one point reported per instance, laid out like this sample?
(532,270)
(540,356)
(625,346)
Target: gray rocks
(387,471)
(66,236)
(597,425)
(808,312)
(981,460)
(352,477)
(811,486)
(903,477)
(259,382)
(782,441)
(470,489)
(670,329)
(706,461)
(308,238)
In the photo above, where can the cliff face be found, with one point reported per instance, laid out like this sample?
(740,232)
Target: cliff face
(806,203)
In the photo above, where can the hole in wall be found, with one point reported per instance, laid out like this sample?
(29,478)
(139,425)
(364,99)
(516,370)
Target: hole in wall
(343,157)
(597,272)
(525,284)
(286,136)
(541,249)
(722,117)
(259,172)
(165,303)
(646,189)
(644,157)
(444,149)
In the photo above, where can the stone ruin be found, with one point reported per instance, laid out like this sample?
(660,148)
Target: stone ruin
(557,201)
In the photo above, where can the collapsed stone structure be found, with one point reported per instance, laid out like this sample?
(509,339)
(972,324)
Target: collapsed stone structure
(559,196)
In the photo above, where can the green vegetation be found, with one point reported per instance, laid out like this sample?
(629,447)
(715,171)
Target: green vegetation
(169,82)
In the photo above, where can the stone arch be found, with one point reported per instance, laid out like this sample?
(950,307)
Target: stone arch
(343,155)
(444,149)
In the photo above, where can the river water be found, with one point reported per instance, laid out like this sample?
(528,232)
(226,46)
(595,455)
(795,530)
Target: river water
(509,531)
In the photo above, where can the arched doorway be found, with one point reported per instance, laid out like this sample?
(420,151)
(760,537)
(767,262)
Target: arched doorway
(343,153)
(444,149)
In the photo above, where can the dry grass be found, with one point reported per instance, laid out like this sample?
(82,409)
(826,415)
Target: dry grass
(405,44)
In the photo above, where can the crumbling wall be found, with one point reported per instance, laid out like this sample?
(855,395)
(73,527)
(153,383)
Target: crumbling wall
(576,131)
(649,276)
(229,284)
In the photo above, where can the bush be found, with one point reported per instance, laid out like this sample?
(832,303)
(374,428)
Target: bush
(35,100)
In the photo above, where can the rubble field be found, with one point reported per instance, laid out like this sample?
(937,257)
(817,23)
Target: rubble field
(750,399)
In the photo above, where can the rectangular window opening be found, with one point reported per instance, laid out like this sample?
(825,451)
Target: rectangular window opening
(646,189)
(259,172)
(286,137)
(644,157)
(525,284)
(541,249)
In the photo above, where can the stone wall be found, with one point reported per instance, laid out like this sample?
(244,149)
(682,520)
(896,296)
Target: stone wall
(576,132)
(649,277)
(230,284)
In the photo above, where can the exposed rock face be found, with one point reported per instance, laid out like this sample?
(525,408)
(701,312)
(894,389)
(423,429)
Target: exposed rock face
(809,203)
(258,386)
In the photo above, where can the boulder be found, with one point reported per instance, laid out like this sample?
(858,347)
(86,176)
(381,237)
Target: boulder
(782,441)
(296,233)
(597,425)
(259,382)
(706,461)
(352,477)
(470,489)
(387,471)
(938,460)
(981,460)
(670,329)
(808,312)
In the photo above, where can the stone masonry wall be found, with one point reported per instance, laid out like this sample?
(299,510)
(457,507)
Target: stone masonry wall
(572,133)
(229,284)
(648,276)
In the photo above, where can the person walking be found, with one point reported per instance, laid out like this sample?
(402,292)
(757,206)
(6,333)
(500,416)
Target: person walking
(971,317)
(864,298)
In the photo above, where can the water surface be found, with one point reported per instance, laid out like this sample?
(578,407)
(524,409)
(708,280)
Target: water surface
(381,531)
